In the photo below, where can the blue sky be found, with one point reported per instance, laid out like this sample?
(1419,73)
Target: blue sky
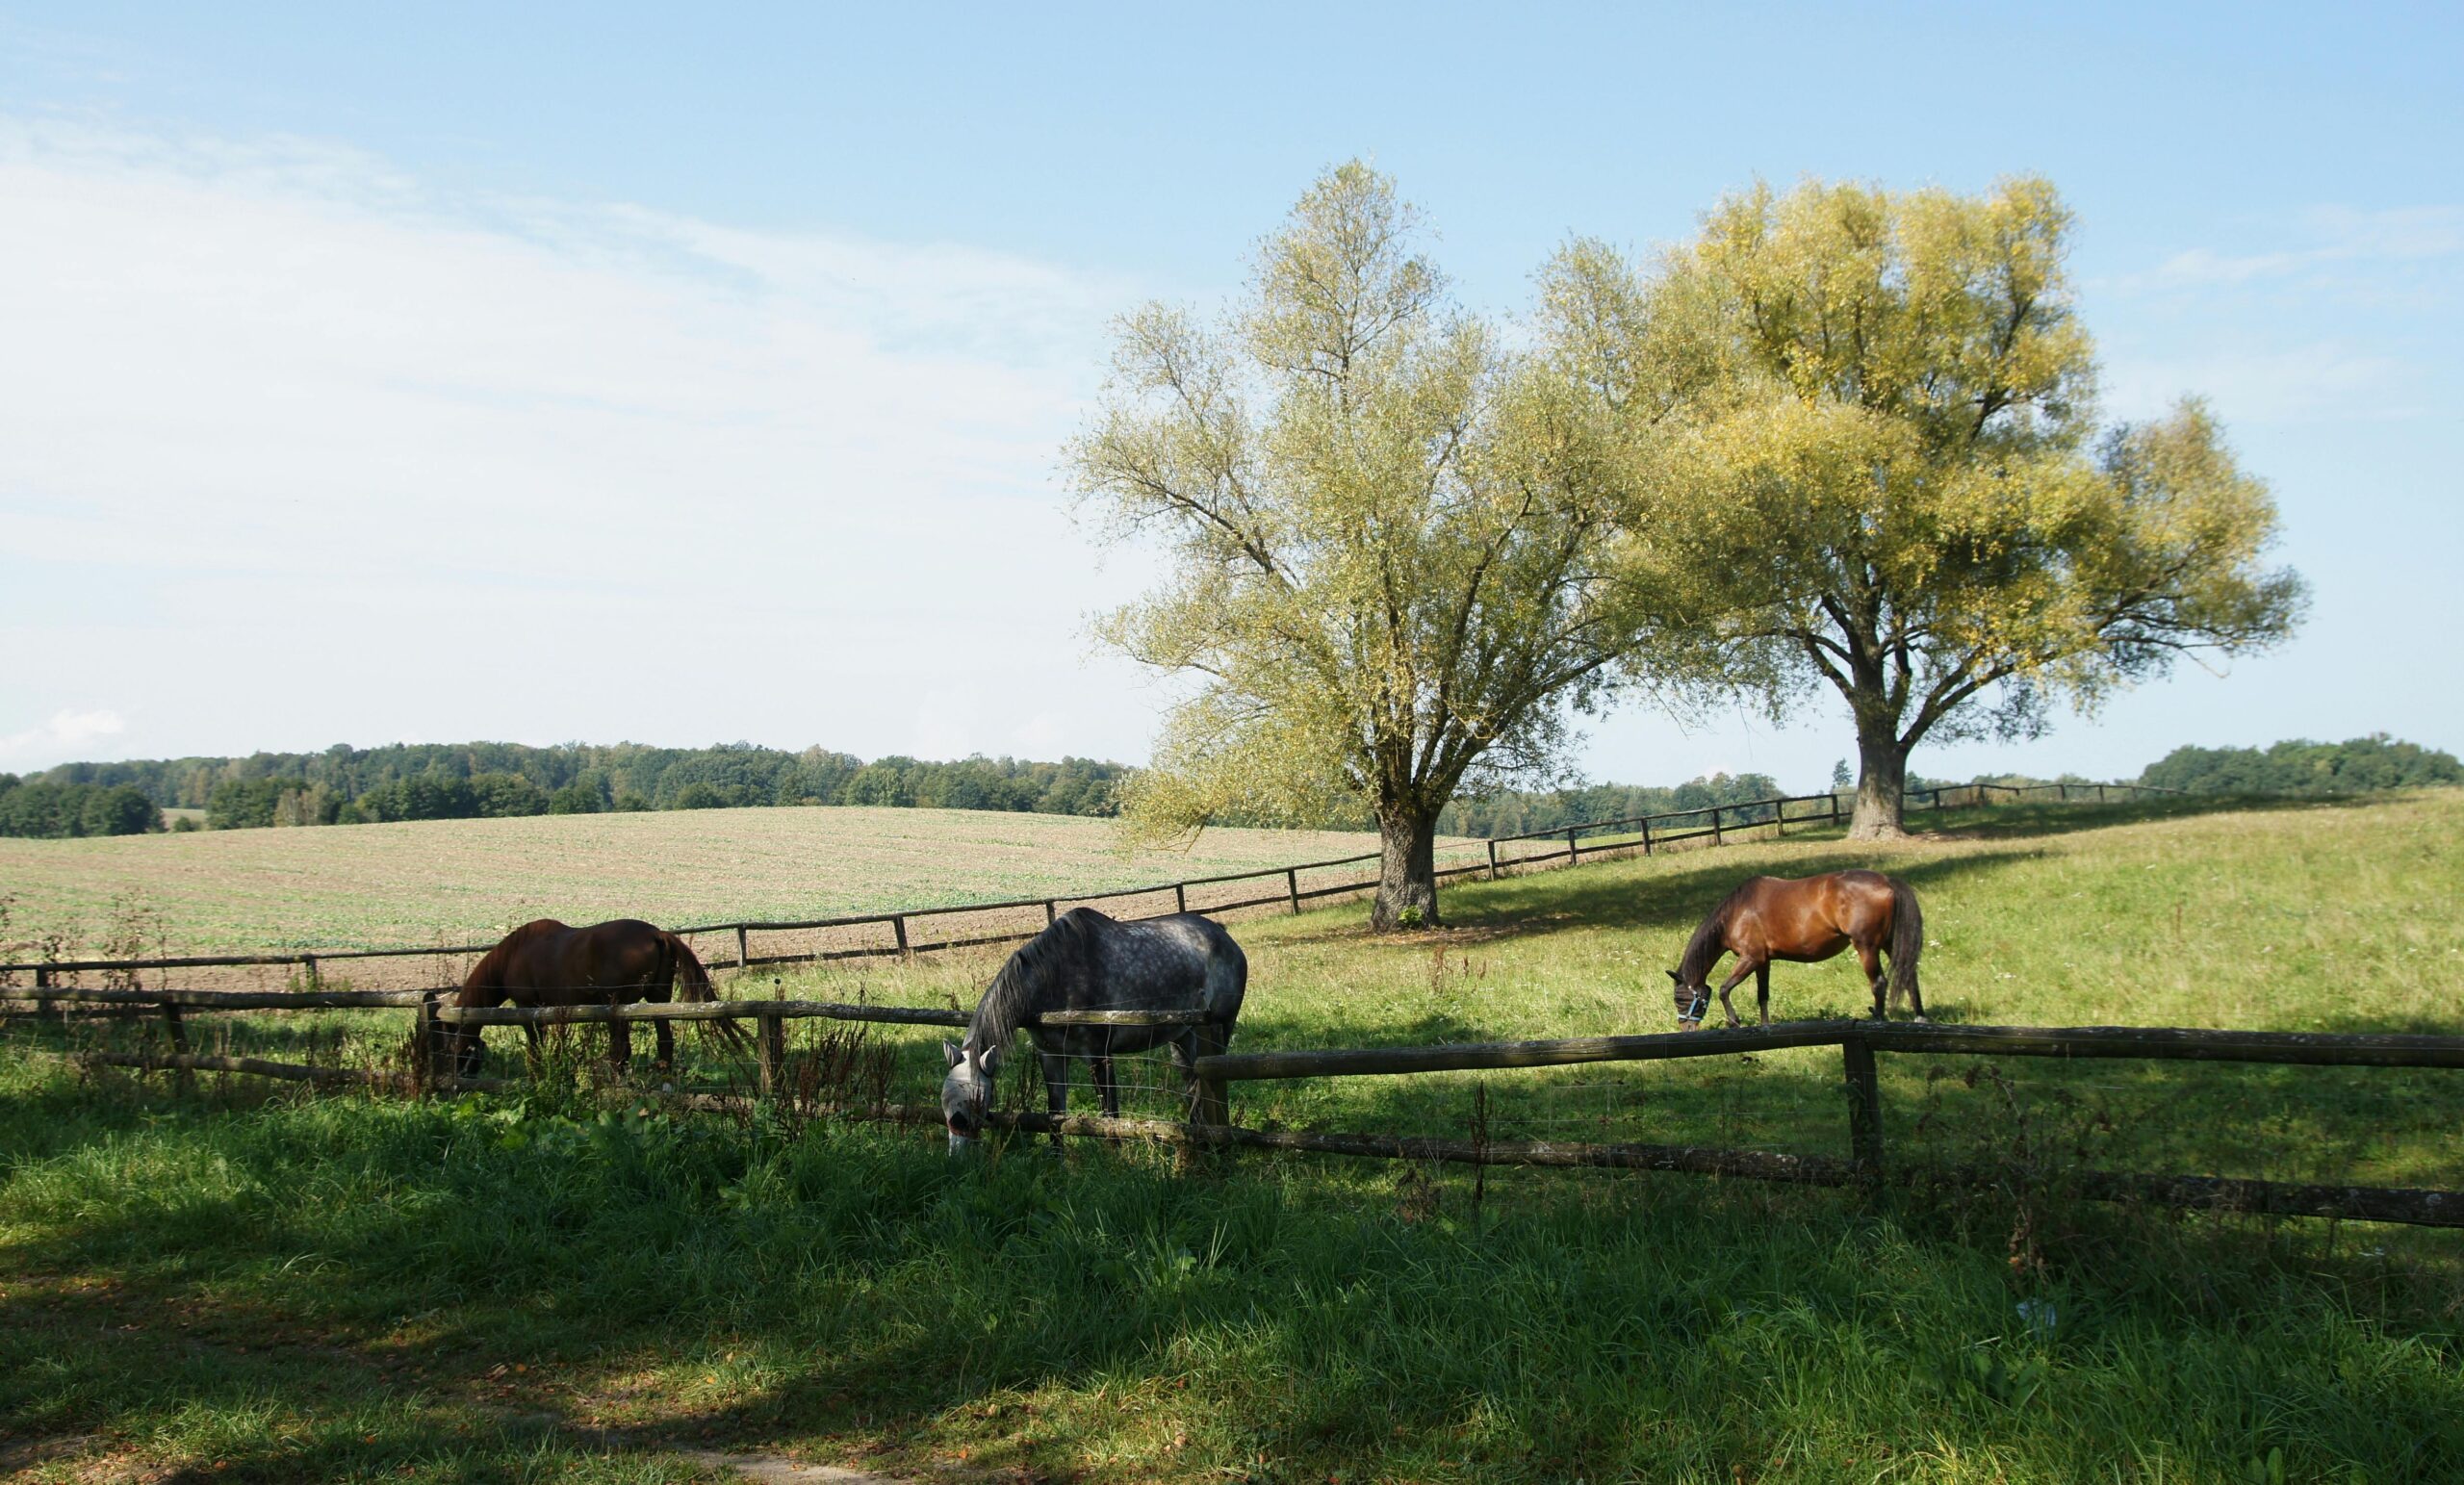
(453,371)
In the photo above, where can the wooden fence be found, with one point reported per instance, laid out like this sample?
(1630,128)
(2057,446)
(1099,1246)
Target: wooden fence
(1209,1118)
(1288,887)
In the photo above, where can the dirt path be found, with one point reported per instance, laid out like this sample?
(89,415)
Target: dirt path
(773,1469)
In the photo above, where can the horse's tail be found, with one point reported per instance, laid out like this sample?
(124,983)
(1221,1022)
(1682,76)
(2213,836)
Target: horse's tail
(693,983)
(1907,942)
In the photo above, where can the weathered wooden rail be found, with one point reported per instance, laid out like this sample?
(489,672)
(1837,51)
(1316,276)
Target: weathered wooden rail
(1211,1074)
(1591,839)
(1860,1081)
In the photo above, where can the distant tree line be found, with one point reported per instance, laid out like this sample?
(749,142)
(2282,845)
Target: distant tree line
(343,784)
(51,811)
(1519,811)
(346,786)
(2300,767)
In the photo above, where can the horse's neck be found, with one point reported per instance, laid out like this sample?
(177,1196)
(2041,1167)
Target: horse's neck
(1705,948)
(485,986)
(998,1016)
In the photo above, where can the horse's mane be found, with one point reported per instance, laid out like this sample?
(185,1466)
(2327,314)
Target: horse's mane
(1705,948)
(1012,997)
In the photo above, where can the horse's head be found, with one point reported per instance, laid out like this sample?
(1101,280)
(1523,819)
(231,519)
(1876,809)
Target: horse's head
(967,1091)
(1692,1000)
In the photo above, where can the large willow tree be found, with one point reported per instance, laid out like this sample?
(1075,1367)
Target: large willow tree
(1896,470)
(1397,544)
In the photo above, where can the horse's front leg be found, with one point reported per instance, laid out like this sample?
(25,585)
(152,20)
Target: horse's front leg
(1056,1089)
(1744,967)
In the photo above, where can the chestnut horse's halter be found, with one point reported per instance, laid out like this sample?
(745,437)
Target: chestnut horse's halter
(1692,1016)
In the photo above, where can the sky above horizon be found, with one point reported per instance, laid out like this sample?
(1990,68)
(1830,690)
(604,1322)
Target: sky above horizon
(556,373)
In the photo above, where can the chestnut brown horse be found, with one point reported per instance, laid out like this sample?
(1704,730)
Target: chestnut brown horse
(1805,919)
(614,963)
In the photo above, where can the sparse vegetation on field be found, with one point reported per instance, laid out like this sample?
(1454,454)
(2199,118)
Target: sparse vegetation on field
(413,882)
(547,1287)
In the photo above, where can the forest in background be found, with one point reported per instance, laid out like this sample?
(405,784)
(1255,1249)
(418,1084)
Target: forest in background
(343,784)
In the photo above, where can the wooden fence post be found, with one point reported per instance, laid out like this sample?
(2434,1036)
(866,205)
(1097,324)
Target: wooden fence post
(1292,885)
(308,972)
(743,950)
(1208,1103)
(898,926)
(1864,1105)
(771,1052)
(1051,910)
(1180,896)
(1574,851)
(423,1043)
(1715,827)
(187,1079)
(1646,835)
(1492,858)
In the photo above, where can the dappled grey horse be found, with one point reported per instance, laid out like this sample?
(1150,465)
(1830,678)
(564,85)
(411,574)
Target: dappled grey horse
(1087,961)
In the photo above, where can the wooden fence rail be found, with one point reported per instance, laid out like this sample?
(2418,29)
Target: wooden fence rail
(1590,838)
(1859,1041)
(1211,1073)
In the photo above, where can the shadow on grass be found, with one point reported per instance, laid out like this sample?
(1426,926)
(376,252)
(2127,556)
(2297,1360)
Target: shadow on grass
(1672,899)
(1679,897)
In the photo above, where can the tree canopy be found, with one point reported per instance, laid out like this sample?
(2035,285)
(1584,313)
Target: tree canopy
(344,784)
(1895,473)
(1396,537)
(2301,767)
(56,810)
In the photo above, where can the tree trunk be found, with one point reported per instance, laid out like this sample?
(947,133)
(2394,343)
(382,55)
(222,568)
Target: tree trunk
(1881,787)
(1406,870)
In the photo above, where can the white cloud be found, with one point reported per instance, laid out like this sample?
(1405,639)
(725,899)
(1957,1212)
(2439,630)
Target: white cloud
(326,453)
(64,733)
(2327,379)
(2333,242)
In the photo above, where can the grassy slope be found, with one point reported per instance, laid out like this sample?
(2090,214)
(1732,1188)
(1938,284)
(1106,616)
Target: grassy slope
(370,885)
(324,1288)
(2312,917)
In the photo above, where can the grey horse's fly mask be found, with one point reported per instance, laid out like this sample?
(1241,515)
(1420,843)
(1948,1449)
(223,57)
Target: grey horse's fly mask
(966,1093)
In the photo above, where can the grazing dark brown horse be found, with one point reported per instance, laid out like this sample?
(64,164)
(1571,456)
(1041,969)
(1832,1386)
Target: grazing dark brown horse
(1805,919)
(614,963)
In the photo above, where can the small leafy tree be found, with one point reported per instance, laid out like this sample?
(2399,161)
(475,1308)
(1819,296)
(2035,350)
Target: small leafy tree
(1398,545)
(1896,472)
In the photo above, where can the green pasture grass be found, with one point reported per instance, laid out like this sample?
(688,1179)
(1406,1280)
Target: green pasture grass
(564,1285)
(2309,917)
